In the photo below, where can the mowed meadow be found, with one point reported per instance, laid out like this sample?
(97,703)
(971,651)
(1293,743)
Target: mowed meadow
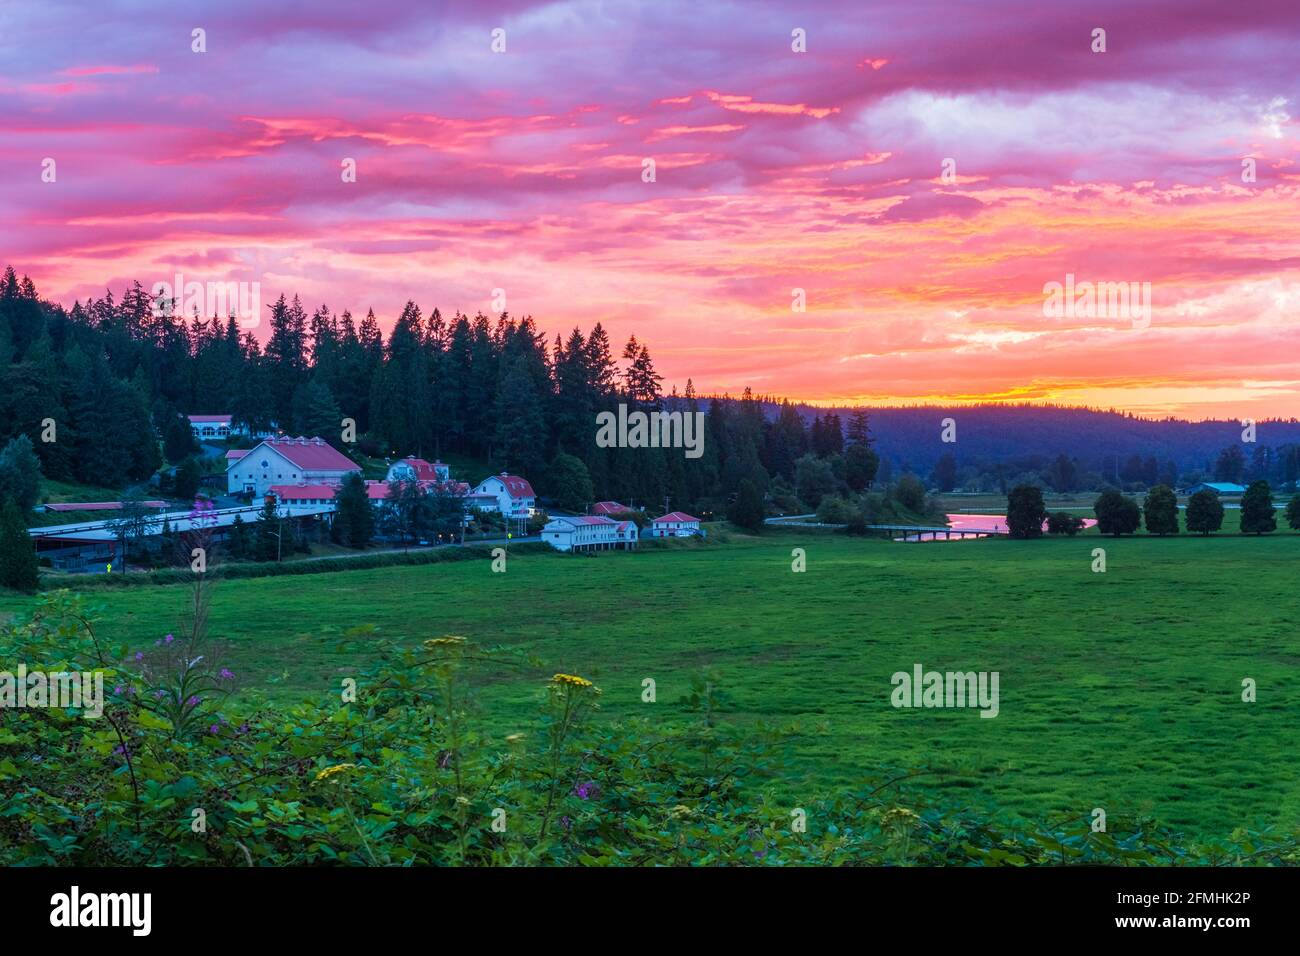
(1119,690)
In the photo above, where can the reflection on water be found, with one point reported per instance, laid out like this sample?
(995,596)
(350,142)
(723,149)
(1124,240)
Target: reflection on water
(992,524)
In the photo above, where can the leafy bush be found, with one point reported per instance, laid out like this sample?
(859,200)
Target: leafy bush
(1116,514)
(1062,522)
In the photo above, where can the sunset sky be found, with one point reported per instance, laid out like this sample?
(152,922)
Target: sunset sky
(775,170)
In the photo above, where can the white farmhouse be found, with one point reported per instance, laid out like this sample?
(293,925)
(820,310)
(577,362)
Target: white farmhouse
(675,524)
(286,461)
(510,495)
(589,533)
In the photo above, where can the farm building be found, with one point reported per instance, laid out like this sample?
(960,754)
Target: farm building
(286,461)
(217,427)
(675,524)
(511,495)
(58,506)
(417,469)
(1218,487)
(590,533)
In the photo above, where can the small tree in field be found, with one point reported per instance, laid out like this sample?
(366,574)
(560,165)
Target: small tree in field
(1116,514)
(1161,511)
(1025,512)
(1204,512)
(1293,513)
(1257,509)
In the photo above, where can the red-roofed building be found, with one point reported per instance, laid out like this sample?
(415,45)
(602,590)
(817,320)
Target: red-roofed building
(608,508)
(417,469)
(509,494)
(675,524)
(589,533)
(287,461)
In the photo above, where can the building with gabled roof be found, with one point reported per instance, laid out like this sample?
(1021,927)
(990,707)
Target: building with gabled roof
(590,533)
(675,524)
(417,469)
(287,461)
(508,494)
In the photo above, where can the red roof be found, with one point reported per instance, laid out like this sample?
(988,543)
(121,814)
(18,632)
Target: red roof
(312,454)
(98,505)
(424,470)
(608,508)
(516,487)
(236,453)
(303,492)
(674,516)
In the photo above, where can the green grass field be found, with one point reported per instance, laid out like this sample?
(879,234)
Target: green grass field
(1120,690)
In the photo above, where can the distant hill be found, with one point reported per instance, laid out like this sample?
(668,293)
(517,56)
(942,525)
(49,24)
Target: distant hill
(911,436)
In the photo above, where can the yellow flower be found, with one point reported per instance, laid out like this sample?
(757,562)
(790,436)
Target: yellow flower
(331,771)
(451,640)
(571,680)
(899,816)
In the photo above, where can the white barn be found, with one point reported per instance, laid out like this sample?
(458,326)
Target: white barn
(511,495)
(286,461)
(590,533)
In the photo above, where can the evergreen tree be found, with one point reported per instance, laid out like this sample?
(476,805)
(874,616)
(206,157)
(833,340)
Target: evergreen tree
(18,564)
(1293,513)
(748,510)
(20,473)
(268,543)
(316,414)
(239,542)
(1257,511)
(354,517)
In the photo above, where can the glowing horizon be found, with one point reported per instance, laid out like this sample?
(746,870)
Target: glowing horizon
(774,171)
